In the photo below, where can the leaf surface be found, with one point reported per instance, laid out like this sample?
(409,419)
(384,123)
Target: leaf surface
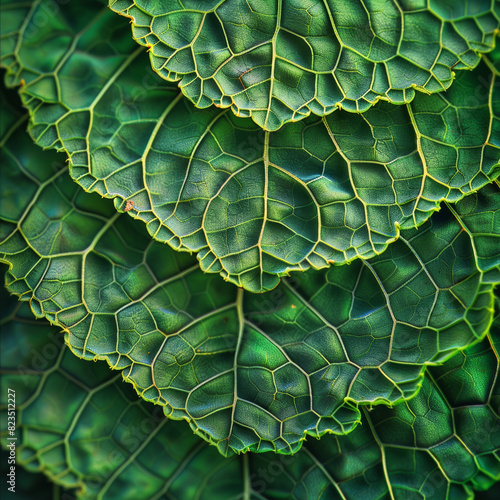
(280,61)
(85,430)
(253,205)
(249,371)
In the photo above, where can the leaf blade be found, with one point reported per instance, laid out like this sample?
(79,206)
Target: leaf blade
(280,62)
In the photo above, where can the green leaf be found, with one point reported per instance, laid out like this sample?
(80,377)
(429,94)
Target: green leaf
(254,205)
(84,429)
(248,371)
(438,445)
(281,61)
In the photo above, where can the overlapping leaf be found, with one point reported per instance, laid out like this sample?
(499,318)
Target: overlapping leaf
(279,61)
(253,204)
(84,429)
(249,372)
